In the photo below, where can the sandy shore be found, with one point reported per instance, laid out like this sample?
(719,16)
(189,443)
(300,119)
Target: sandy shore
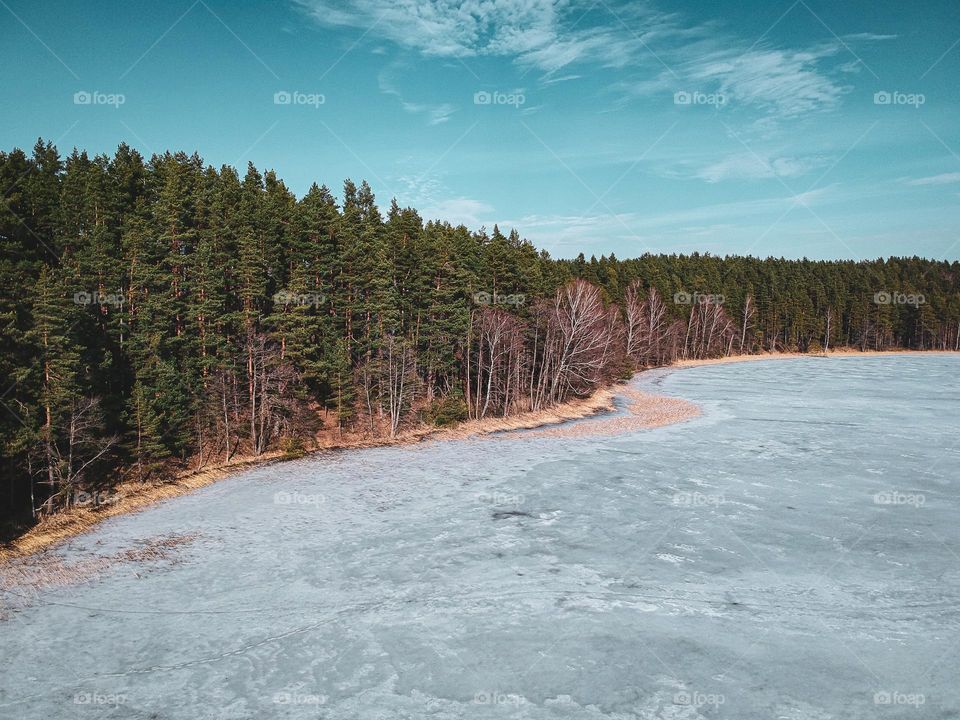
(645,411)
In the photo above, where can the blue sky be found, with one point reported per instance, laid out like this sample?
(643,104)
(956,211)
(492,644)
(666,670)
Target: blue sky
(725,127)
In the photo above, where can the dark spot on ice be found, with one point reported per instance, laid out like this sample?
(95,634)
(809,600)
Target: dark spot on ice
(790,507)
(501,514)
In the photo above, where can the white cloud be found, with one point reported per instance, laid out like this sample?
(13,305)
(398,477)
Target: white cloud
(870,37)
(944,179)
(545,34)
(652,51)
(457,211)
(788,82)
(436,114)
(447,28)
(554,80)
(750,166)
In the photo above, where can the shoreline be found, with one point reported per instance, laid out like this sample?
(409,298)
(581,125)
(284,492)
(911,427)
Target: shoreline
(645,411)
(838,353)
(132,497)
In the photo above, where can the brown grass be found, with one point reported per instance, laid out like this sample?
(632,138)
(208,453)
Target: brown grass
(127,497)
(25,576)
(601,401)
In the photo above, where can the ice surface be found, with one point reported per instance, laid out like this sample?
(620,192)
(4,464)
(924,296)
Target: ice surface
(792,554)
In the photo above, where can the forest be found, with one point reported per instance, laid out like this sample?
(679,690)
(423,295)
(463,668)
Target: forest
(160,315)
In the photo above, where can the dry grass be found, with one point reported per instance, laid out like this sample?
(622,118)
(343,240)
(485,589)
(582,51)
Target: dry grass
(126,498)
(600,401)
(25,576)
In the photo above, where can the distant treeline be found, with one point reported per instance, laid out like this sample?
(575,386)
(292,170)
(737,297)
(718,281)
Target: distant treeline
(162,314)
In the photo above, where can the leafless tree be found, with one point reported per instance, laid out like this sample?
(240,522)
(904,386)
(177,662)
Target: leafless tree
(270,381)
(826,336)
(636,334)
(498,362)
(398,363)
(749,311)
(584,335)
(709,331)
(68,451)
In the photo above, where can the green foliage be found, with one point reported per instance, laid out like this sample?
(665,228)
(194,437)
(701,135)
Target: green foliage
(292,447)
(446,411)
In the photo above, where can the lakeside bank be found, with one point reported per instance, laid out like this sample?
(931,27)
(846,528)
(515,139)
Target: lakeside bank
(644,410)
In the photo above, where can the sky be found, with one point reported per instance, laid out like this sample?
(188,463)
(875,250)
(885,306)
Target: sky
(788,128)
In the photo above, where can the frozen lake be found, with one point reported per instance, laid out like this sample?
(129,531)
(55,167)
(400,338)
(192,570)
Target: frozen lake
(793,553)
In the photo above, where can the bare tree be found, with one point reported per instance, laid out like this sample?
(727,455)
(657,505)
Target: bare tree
(709,330)
(657,329)
(399,365)
(636,332)
(270,381)
(70,450)
(583,339)
(826,336)
(749,311)
(499,362)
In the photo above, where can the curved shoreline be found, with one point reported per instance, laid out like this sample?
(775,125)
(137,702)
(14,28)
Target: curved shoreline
(645,411)
(649,410)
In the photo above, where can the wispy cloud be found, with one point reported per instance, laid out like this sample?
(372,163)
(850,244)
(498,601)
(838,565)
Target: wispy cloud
(751,166)
(459,211)
(436,113)
(944,179)
(787,82)
(656,51)
(445,28)
(554,231)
